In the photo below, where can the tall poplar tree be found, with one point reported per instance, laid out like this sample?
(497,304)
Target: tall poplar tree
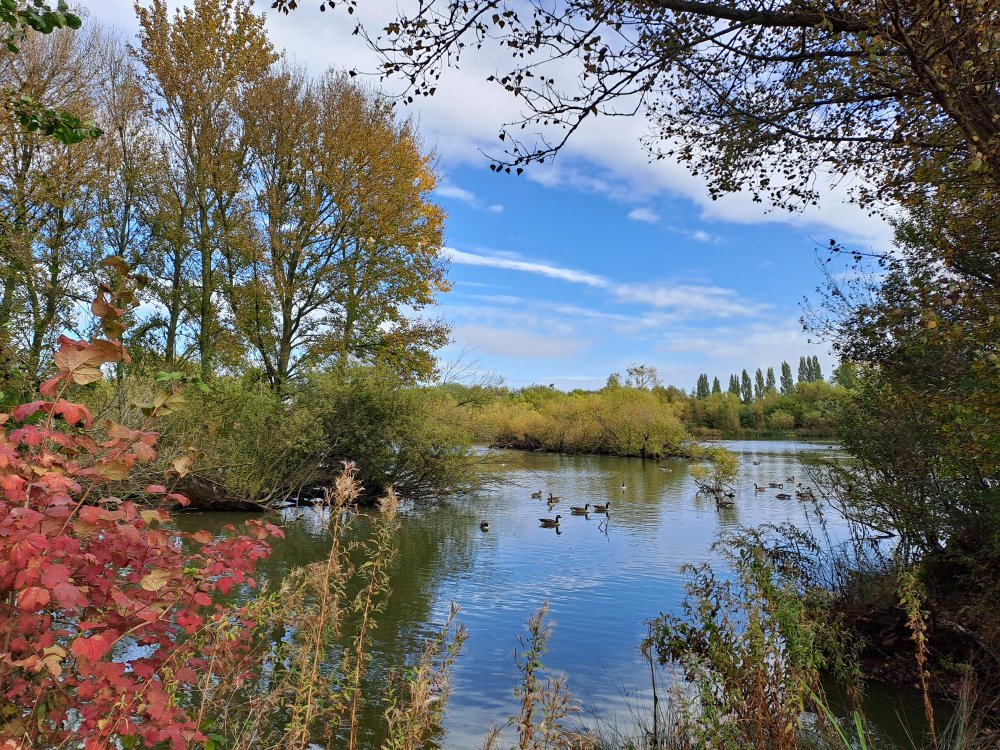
(734,385)
(746,387)
(701,389)
(716,386)
(770,387)
(758,384)
(787,384)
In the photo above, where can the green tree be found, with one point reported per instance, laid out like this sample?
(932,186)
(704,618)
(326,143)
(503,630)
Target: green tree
(644,377)
(770,387)
(816,371)
(805,370)
(734,385)
(787,384)
(716,386)
(758,385)
(702,390)
(746,387)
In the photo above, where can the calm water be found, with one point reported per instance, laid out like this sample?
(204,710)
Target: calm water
(603,577)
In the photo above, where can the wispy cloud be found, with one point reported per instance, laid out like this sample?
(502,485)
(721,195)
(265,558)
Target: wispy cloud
(449,190)
(510,342)
(684,299)
(646,215)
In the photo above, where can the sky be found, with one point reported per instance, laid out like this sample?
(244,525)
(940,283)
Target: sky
(580,268)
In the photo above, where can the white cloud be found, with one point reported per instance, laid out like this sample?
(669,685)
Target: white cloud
(447,190)
(684,299)
(495,208)
(510,342)
(647,215)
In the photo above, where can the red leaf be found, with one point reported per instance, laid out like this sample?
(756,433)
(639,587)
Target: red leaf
(72,413)
(202,598)
(179,499)
(92,648)
(155,489)
(69,595)
(32,598)
(48,388)
(24,411)
(55,574)
(225,585)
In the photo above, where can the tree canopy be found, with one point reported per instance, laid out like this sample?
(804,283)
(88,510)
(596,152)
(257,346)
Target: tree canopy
(757,95)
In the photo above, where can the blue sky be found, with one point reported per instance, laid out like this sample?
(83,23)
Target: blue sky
(578,269)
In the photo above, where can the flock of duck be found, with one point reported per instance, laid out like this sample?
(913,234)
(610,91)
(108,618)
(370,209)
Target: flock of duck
(552,500)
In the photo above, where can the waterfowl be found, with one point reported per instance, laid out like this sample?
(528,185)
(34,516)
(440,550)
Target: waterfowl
(729,494)
(790,479)
(578,511)
(484,525)
(807,495)
(663,468)
(623,486)
(759,488)
(782,496)
(537,494)
(553,499)
(602,508)
(756,463)
(724,504)
(550,523)
(776,485)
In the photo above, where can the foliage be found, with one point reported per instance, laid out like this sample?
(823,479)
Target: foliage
(751,650)
(717,475)
(400,436)
(755,98)
(105,611)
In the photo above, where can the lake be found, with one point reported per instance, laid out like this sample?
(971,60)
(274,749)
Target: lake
(603,576)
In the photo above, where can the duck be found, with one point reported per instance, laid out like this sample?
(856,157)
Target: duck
(776,485)
(756,463)
(578,511)
(806,495)
(790,479)
(484,525)
(550,523)
(602,508)
(537,494)
(782,496)
(553,499)
(758,488)
(729,494)
(725,504)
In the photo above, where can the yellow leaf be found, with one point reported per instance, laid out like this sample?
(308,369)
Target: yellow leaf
(155,580)
(182,464)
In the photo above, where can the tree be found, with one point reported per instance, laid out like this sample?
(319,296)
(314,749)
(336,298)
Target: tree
(199,68)
(746,388)
(642,376)
(344,234)
(701,390)
(734,385)
(758,385)
(816,371)
(47,193)
(716,386)
(805,370)
(738,90)
(787,384)
(771,387)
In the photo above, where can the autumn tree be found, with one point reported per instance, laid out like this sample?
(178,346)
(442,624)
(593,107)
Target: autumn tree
(200,65)
(644,377)
(758,384)
(47,193)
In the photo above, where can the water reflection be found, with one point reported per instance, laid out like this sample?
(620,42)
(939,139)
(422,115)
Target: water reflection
(603,575)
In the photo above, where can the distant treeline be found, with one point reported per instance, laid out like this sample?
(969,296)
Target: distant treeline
(636,415)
